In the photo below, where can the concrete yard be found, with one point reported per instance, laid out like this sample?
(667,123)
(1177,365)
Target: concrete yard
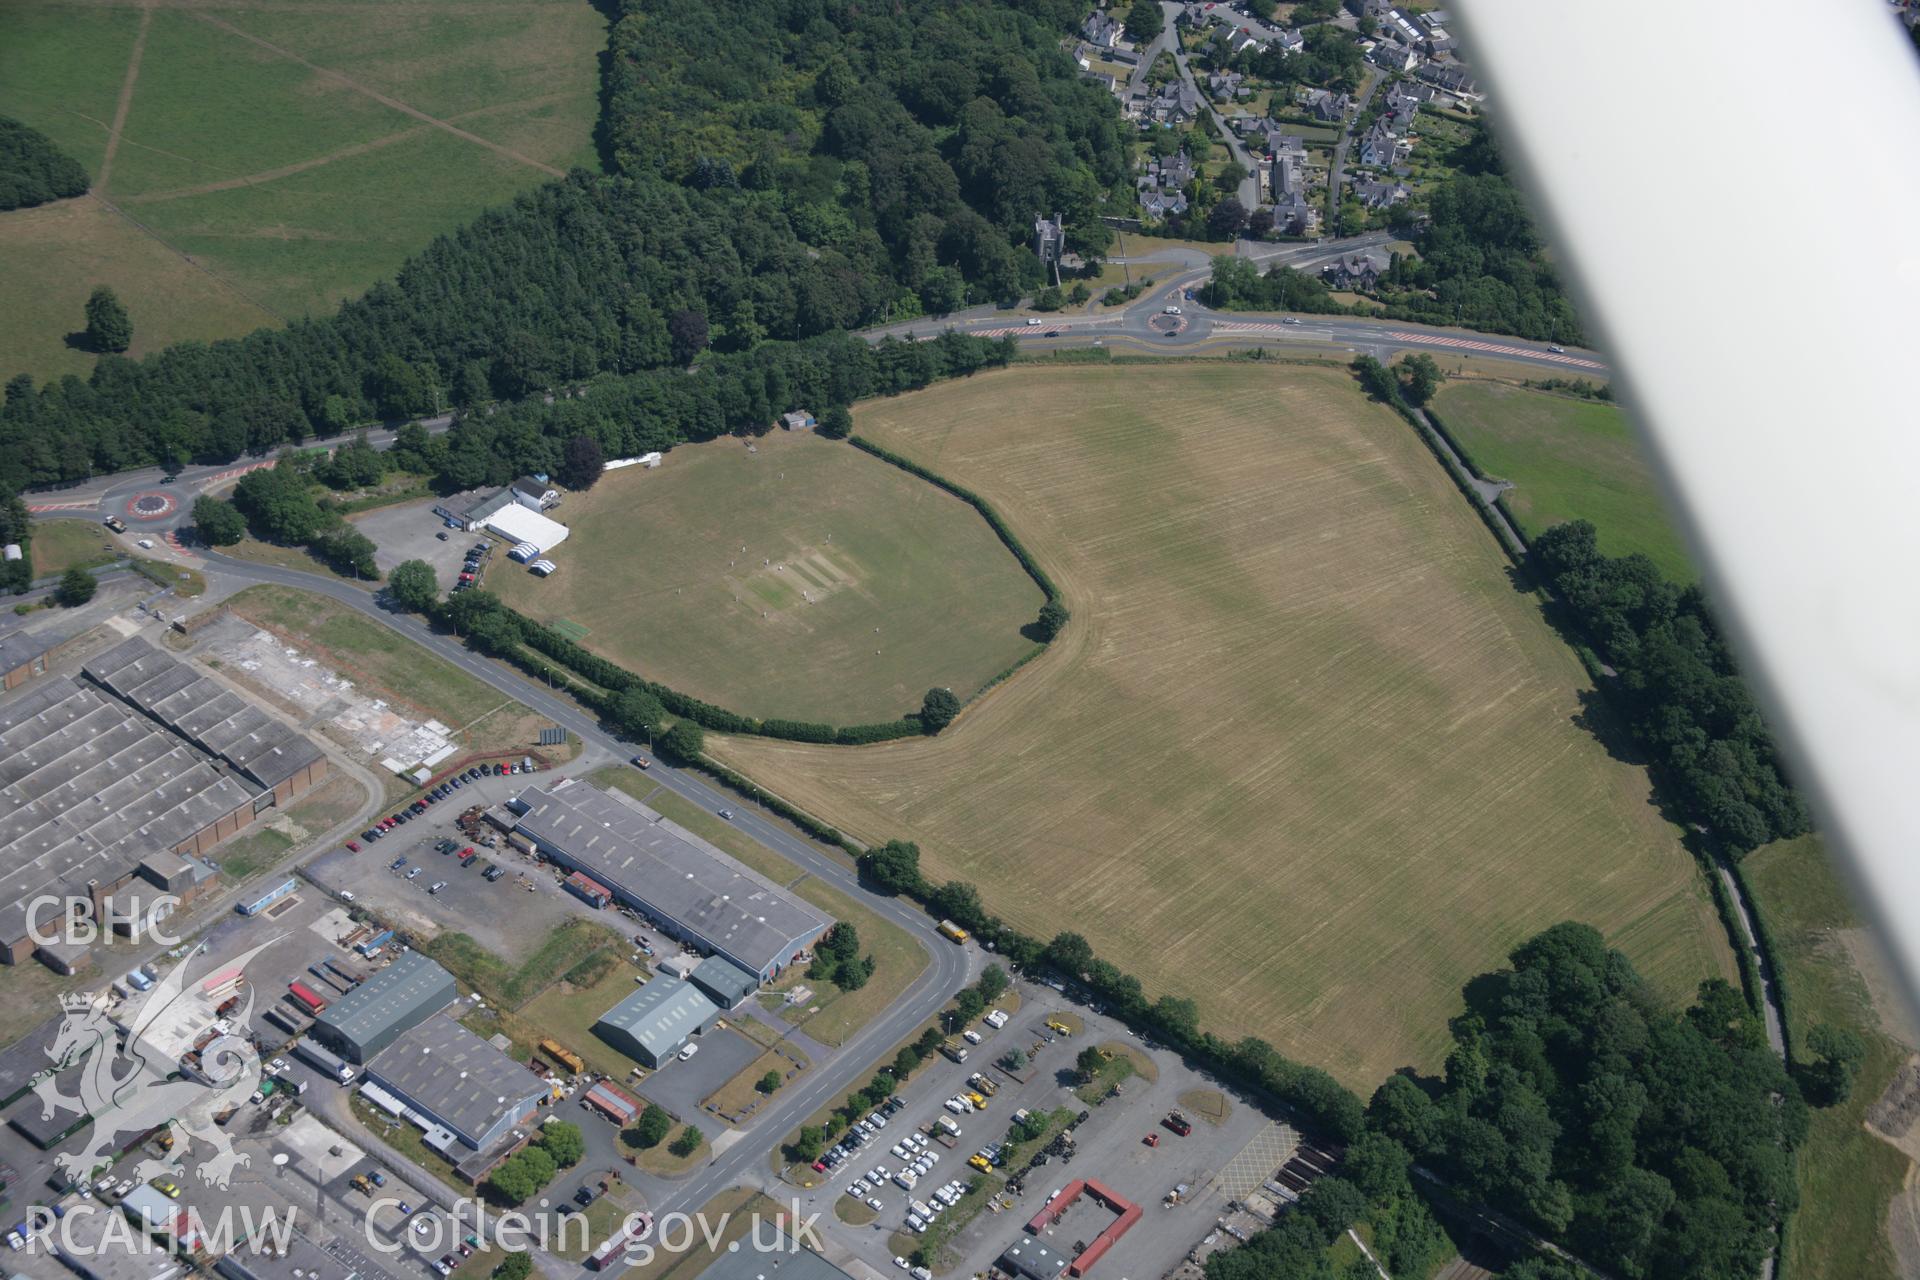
(410,531)
(681,1086)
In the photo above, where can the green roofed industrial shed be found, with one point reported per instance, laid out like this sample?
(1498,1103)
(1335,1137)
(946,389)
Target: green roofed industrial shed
(656,1021)
(383,1008)
(725,983)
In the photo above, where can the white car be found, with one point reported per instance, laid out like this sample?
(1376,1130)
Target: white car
(900,1151)
(921,1273)
(915,1224)
(1172,311)
(900,1263)
(932,1155)
(1290,320)
(956,1106)
(1034,321)
(877,1120)
(878,1175)
(859,1189)
(1557,349)
(972,1036)
(873,1202)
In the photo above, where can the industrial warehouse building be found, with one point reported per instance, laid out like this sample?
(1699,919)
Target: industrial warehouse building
(380,1010)
(727,985)
(26,654)
(781,1260)
(465,1094)
(685,885)
(657,1020)
(113,790)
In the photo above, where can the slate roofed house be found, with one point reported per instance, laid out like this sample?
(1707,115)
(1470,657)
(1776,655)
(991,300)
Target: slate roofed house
(1160,205)
(1403,104)
(1101,29)
(1290,40)
(1356,271)
(1226,86)
(1376,194)
(1390,55)
(1324,104)
(1382,148)
(1450,77)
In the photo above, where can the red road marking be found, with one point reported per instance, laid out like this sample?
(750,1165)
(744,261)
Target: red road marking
(66,506)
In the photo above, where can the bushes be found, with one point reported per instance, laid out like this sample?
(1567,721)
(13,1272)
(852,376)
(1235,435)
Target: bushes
(973,500)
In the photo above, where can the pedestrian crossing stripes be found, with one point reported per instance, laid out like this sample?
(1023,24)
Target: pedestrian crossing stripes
(236,472)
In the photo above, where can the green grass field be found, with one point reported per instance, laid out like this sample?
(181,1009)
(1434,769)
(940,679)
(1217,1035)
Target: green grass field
(272,159)
(1568,460)
(1303,754)
(60,545)
(1848,1177)
(860,587)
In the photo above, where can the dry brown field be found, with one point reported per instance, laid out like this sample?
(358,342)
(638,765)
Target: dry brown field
(1304,754)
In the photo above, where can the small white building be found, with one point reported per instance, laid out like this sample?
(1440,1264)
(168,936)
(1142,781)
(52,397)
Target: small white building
(798,420)
(517,524)
(12,551)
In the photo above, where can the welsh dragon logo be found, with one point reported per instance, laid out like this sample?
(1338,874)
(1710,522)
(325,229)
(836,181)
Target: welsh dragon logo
(128,1089)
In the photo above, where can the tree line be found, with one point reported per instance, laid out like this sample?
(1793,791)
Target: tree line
(786,169)
(33,170)
(1686,700)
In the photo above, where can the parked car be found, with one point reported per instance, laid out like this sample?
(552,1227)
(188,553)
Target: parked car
(353,846)
(414,874)
(438,885)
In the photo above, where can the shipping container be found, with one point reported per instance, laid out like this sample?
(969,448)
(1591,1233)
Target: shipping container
(309,1000)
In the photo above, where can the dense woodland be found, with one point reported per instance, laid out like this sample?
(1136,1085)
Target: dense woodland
(33,170)
(1687,701)
(1655,1143)
(786,169)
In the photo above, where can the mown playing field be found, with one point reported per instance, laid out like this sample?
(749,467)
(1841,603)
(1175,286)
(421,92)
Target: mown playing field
(1304,754)
(256,162)
(1569,460)
(858,589)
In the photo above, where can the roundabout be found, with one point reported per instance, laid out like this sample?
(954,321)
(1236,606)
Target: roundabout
(151,505)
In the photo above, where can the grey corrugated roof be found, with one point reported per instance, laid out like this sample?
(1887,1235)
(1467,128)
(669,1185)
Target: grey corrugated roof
(205,711)
(661,1014)
(465,1082)
(678,875)
(410,988)
(19,647)
(88,788)
(729,979)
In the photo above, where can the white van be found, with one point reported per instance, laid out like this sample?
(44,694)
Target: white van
(952,1129)
(689,1051)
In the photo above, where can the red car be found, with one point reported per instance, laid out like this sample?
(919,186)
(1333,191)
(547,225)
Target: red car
(353,846)
(468,852)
